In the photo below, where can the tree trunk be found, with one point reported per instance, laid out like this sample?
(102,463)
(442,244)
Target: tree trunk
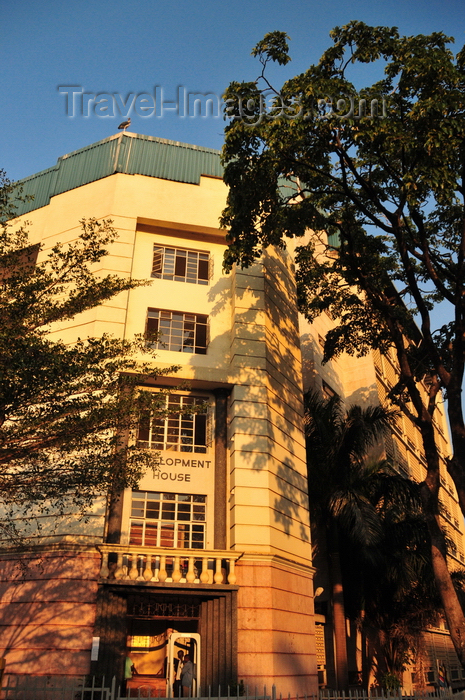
(456,466)
(430,498)
(339,618)
(430,495)
(452,608)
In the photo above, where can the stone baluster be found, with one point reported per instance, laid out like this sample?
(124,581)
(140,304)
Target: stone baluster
(147,575)
(232,578)
(156,569)
(190,576)
(119,571)
(218,577)
(177,574)
(140,567)
(203,568)
(104,571)
(133,573)
(162,574)
(204,577)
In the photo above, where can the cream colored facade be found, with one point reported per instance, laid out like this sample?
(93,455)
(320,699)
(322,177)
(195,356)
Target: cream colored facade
(249,586)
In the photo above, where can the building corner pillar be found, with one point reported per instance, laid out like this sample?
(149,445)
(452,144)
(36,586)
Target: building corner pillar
(221,448)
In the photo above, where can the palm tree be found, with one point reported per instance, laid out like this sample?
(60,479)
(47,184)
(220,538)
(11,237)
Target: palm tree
(338,442)
(394,585)
(368,517)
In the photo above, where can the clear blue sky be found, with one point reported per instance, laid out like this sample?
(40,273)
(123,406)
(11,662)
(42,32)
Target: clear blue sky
(104,46)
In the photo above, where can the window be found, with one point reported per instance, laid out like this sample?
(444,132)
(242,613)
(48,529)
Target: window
(178,331)
(181,431)
(180,265)
(168,520)
(18,263)
(430,676)
(327,391)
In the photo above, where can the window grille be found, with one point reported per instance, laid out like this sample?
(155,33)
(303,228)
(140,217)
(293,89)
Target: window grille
(139,641)
(177,331)
(396,454)
(174,520)
(181,431)
(181,265)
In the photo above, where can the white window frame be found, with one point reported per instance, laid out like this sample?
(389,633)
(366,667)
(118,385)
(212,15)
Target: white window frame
(177,331)
(174,520)
(180,430)
(181,264)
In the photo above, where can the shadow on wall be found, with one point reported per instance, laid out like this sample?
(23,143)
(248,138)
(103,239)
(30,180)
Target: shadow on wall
(313,368)
(265,367)
(43,525)
(365,396)
(47,608)
(220,296)
(293,498)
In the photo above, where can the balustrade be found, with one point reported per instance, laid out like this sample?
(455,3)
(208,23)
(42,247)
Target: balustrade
(158,565)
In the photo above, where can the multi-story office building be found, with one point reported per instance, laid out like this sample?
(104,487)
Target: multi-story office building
(214,547)
(212,552)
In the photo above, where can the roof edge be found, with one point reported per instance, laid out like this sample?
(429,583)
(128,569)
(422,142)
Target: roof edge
(128,153)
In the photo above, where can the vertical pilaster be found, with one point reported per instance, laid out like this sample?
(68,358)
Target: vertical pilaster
(221,415)
(115,518)
(269,497)
(111,628)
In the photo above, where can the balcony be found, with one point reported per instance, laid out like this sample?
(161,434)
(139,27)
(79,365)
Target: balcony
(156,565)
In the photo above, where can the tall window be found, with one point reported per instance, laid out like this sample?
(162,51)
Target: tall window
(168,520)
(181,431)
(180,265)
(178,331)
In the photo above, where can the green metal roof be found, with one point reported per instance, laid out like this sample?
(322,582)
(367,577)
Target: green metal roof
(133,154)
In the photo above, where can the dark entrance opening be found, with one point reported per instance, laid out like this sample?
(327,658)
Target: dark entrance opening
(150,625)
(129,618)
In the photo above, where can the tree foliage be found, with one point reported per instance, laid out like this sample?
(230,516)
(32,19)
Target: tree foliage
(374,177)
(390,590)
(66,409)
(368,520)
(338,442)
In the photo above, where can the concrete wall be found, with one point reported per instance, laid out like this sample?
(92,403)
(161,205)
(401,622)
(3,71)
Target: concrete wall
(47,610)
(269,506)
(276,635)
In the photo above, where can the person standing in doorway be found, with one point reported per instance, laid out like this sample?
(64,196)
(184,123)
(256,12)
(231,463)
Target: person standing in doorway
(177,664)
(187,677)
(129,670)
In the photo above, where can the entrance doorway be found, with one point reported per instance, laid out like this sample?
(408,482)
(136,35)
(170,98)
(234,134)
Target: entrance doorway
(137,622)
(154,638)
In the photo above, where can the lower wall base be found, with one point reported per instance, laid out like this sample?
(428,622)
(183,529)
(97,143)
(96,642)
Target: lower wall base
(47,618)
(47,611)
(276,626)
